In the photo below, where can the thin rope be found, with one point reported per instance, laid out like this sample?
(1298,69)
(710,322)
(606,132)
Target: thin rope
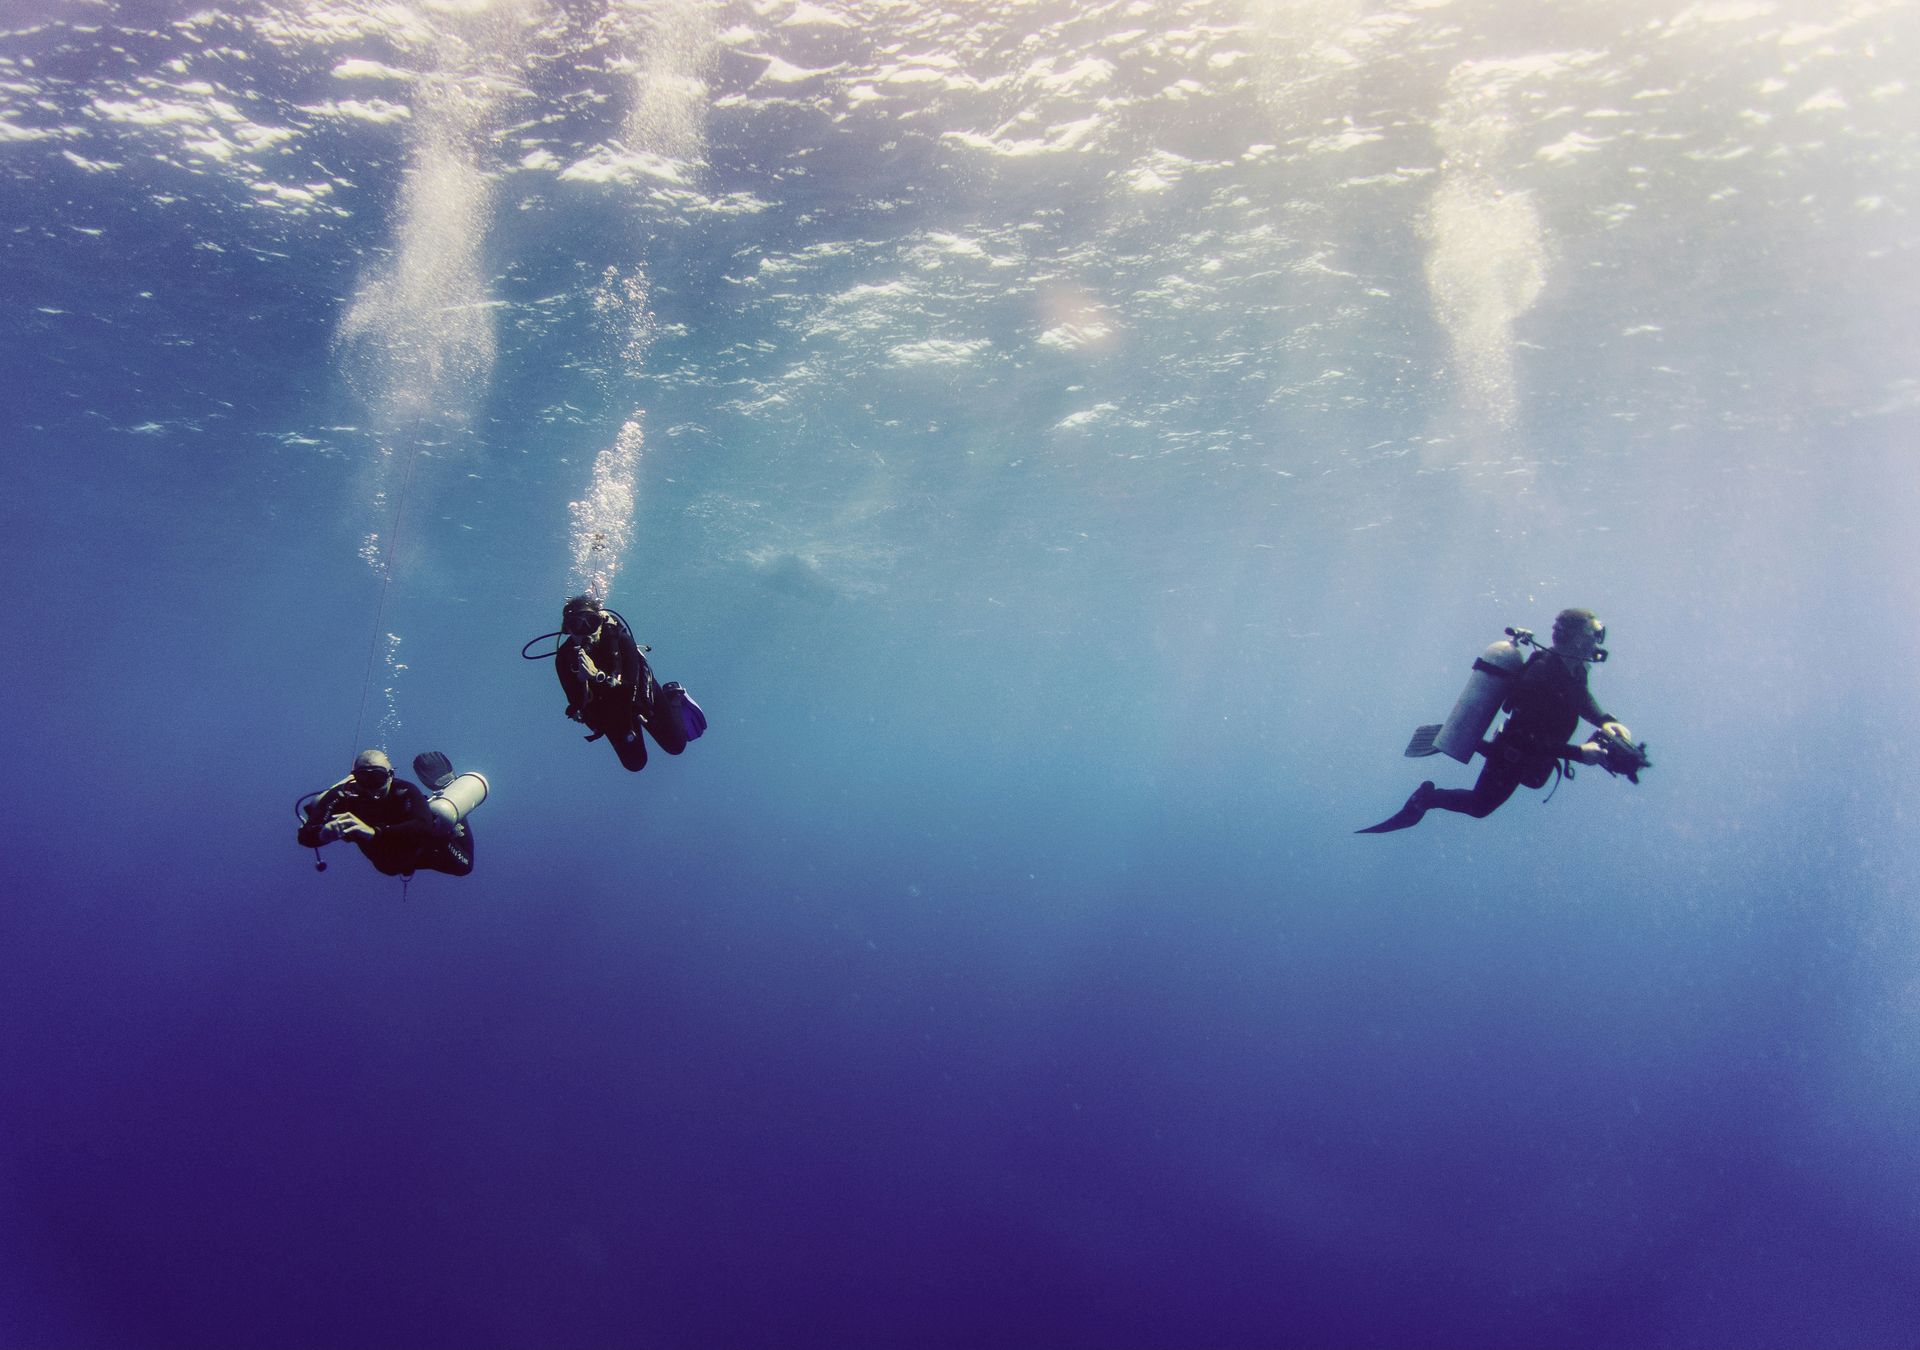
(386,581)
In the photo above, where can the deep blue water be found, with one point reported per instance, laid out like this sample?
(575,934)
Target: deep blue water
(1078,444)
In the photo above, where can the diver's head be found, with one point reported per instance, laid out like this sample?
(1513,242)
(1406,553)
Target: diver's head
(581,617)
(1578,633)
(373,772)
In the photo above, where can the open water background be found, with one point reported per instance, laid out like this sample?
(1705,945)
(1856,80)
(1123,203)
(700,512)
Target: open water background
(1070,448)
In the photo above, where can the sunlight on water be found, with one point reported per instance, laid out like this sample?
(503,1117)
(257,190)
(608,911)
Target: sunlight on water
(1306,48)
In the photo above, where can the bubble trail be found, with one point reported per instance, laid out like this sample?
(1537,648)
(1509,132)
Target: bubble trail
(603,519)
(390,718)
(1487,260)
(669,44)
(417,340)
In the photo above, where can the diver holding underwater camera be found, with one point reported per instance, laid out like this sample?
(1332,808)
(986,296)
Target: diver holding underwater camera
(1545,697)
(400,828)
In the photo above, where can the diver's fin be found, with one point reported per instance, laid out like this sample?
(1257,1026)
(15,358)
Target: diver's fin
(1422,743)
(693,722)
(433,768)
(1407,816)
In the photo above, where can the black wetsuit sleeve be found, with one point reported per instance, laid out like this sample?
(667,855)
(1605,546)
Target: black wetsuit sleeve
(1590,707)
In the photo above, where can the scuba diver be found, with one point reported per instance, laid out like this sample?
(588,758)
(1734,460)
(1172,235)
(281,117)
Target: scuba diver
(610,687)
(1545,698)
(399,827)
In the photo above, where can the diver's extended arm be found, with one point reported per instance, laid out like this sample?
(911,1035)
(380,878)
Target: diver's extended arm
(1590,708)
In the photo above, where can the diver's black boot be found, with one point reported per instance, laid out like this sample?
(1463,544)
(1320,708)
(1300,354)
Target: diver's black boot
(433,768)
(1407,816)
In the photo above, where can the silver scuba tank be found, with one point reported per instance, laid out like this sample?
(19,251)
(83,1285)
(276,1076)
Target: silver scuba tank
(458,799)
(1474,711)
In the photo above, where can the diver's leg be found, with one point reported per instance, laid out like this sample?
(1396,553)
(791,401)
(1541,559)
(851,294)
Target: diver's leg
(665,727)
(1488,794)
(383,859)
(455,857)
(630,745)
(622,731)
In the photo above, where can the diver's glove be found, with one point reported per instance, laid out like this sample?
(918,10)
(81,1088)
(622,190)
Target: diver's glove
(574,714)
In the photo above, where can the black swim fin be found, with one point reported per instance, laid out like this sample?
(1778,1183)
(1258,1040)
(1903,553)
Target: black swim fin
(433,768)
(1422,743)
(1407,816)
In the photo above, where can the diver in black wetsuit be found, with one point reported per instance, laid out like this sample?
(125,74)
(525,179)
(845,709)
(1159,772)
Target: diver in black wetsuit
(1549,699)
(610,687)
(388,819)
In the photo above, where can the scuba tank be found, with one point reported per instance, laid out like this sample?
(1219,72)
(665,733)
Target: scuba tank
(1473,712)
(458,799)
